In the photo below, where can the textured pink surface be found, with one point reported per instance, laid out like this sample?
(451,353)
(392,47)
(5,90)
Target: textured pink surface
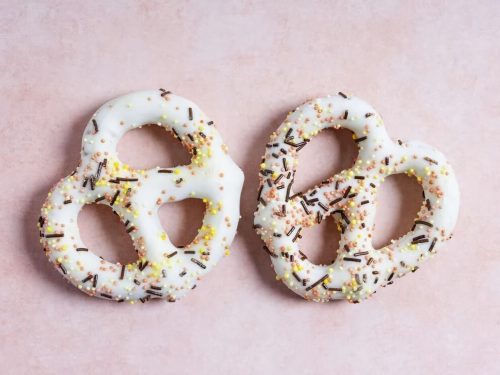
(431,69)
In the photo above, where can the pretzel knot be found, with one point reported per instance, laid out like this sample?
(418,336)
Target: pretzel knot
(350,197)
(162,270)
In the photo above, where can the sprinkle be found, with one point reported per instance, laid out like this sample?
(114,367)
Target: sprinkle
(285,166)
(288,133)
(346,113)
(357,140)
(348,259)
(172,254)
(296,277)
(322,206)
(432,161)
(82,249)
(210,123)
(290,231)
(54,235)
(433,243)
(127,179)
(278,178)
(41,221)
(165,171)
(390,276)
(95,125)
(263,202)
(143,265)
(62,268)
(87,279)
(106,295)
(98,199)
(297,235)
(122,273)
(428,204)
(115,197)
(346,248)
(154,293)
(190,110)
(365,202)
(369,261)
(260,192)
(305,207)
(189,252)
(386,160)
(335,201)
(266,249)
(85,181)
(67,201)
(99,168)
(94,282)
(347,191)
(343,95)
(359,177)
(198,263)
(288,188)
(316,283)
(163,92)
(369,114)
(423,223)
(418,238)
(400,142)
(361,253)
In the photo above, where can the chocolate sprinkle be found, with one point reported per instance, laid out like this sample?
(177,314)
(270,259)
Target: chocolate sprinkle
(82,249)
(316,283)
(115,197)
(154,293)
(95,125)
(433,243)
(348,259)
(198,263)
(422,222)
(357,140)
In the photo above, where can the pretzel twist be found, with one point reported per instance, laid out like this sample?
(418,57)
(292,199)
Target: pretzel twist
(350,197)
(163,270)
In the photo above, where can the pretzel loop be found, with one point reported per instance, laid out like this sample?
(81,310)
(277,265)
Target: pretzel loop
(135,195)
(350,197)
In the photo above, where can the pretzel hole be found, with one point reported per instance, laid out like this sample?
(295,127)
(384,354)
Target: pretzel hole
(398,202)
(152,146)
(327,154)
(320,243)
(182,220)
(105,235)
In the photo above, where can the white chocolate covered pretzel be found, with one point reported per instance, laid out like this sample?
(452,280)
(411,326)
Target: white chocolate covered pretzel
(163,270)
(350,197)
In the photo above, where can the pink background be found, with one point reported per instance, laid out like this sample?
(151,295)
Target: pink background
(431,68)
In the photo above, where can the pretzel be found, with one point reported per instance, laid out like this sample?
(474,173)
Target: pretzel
(349,197)
(162,270)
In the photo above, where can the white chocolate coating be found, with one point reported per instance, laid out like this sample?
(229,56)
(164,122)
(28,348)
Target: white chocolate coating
(350,197)
(163,270)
